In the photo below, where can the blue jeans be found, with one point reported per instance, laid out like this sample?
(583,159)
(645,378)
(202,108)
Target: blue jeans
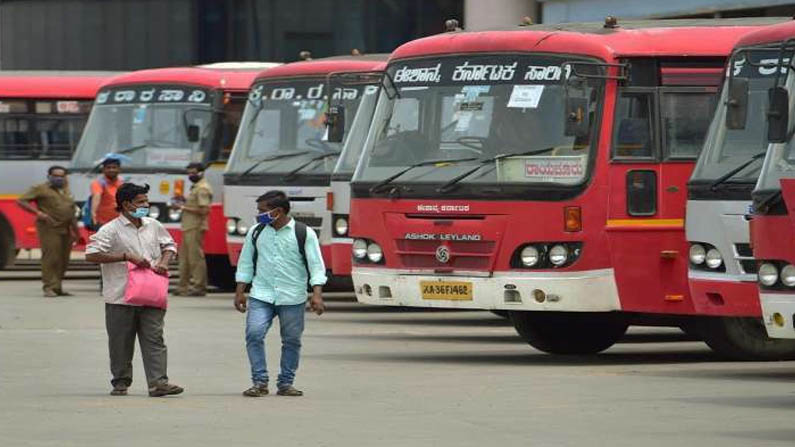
(291,323)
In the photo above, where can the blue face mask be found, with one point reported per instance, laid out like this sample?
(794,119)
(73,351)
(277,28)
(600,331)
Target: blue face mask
(140,212)
(265,218)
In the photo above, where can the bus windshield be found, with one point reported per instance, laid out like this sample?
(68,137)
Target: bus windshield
(41,129)
(479,108)
(149,126)
(780,159)
(288,117)
(358,133)
(727,149)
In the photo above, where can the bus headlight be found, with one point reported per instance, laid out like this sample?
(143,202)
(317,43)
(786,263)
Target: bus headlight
(341,226)
(558,255)
(174,215)
(359,249)
(154,212)
(768,274)
(697,254)
(374,253)
(231,226)
(713,258)
(529,256)
(241,228)
(788,275)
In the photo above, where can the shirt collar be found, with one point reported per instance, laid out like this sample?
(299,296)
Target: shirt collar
(290,225)
(144,221)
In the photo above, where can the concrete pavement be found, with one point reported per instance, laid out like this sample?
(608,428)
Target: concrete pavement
(377,377)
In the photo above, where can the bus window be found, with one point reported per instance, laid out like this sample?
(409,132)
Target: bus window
(633,129)
(685,120)
(230,122)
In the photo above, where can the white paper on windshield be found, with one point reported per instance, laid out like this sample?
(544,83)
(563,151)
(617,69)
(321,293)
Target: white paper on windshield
(5,108)
(139,115)
(171,157)
(464,118)
(307,113)
(525,96)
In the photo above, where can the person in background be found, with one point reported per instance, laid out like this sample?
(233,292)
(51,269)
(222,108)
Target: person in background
(103,192)
(143,241)
(273,262)
(195,212)
(56,225)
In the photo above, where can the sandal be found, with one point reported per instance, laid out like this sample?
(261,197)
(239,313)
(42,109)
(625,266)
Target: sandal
(119,390)
(289,390)
(165,389)
(257,391)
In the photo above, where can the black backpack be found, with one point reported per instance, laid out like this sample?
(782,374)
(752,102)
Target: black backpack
(300,236)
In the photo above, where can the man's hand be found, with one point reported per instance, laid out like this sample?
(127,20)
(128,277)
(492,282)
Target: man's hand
(46,218)
(161,268)
(139,261)
(316,304)
(240,302)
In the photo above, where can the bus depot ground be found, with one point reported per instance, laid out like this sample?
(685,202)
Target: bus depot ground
(373,376)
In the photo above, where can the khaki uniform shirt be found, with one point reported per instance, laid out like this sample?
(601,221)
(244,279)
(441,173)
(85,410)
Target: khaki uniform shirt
(121,236)
(57,203)
(201,194)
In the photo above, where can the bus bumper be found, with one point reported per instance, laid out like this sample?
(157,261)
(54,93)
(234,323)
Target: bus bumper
(719,295)
(341,258)
(778,312)
(583,291)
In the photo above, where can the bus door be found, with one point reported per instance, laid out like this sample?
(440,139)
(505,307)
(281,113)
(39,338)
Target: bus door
(657,135)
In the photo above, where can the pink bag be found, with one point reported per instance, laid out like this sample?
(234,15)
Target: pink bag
(145,287)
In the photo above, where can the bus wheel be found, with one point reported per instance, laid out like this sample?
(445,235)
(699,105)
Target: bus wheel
(569,332)
(220,272)
(745,338)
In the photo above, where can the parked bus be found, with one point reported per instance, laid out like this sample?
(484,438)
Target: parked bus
(722,270)
(339,199)
(773,218)
(42,114)
(541,171)
(160,120)
(283,144)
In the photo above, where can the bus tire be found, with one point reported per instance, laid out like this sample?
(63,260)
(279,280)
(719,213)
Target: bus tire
(8,250)
(220,272)
(569,333)
(745,338)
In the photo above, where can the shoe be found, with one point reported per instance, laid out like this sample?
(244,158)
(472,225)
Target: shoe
(62,293)
(50,294)
(257,391)
(289,390)
(165,389)
(119,390)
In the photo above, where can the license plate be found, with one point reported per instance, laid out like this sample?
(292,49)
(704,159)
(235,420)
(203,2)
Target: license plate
(446,290)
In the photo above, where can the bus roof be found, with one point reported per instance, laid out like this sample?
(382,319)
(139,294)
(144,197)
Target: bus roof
(226,76)
(52,84)
(649,38)
(324,66)
(769,34)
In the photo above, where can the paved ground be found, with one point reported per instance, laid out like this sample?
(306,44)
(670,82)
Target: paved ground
(375,376)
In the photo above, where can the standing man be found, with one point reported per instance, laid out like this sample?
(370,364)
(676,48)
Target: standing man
(278,267)
(56,225)
(133,237)
(195,212)
(103,192)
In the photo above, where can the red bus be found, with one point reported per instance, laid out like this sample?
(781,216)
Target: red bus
(540,171)
(42,115)
(283,144)
(773,216)
(160,120)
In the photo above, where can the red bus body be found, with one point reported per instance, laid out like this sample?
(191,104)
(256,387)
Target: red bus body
(627,263)
(19,169)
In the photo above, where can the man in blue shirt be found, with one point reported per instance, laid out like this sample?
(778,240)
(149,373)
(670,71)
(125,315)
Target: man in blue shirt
(278,281)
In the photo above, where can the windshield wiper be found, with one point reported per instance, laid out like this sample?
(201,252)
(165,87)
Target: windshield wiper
(449,185)
(132,149)
(388,181)
(722,179)
(271,158)
(291,175)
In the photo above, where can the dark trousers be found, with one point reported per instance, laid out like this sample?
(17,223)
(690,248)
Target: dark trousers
(55,249)
(123,323)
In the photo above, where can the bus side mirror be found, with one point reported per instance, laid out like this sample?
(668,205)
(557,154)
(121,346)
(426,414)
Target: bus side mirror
(737,103)
(335,121)
(193,133)
(577,117)
(778,115)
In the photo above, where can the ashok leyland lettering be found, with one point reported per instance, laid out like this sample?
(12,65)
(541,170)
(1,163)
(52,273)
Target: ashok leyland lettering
(540,171)
(773,218)
(722,270)
(157,121)
(283,144)
(42,115)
